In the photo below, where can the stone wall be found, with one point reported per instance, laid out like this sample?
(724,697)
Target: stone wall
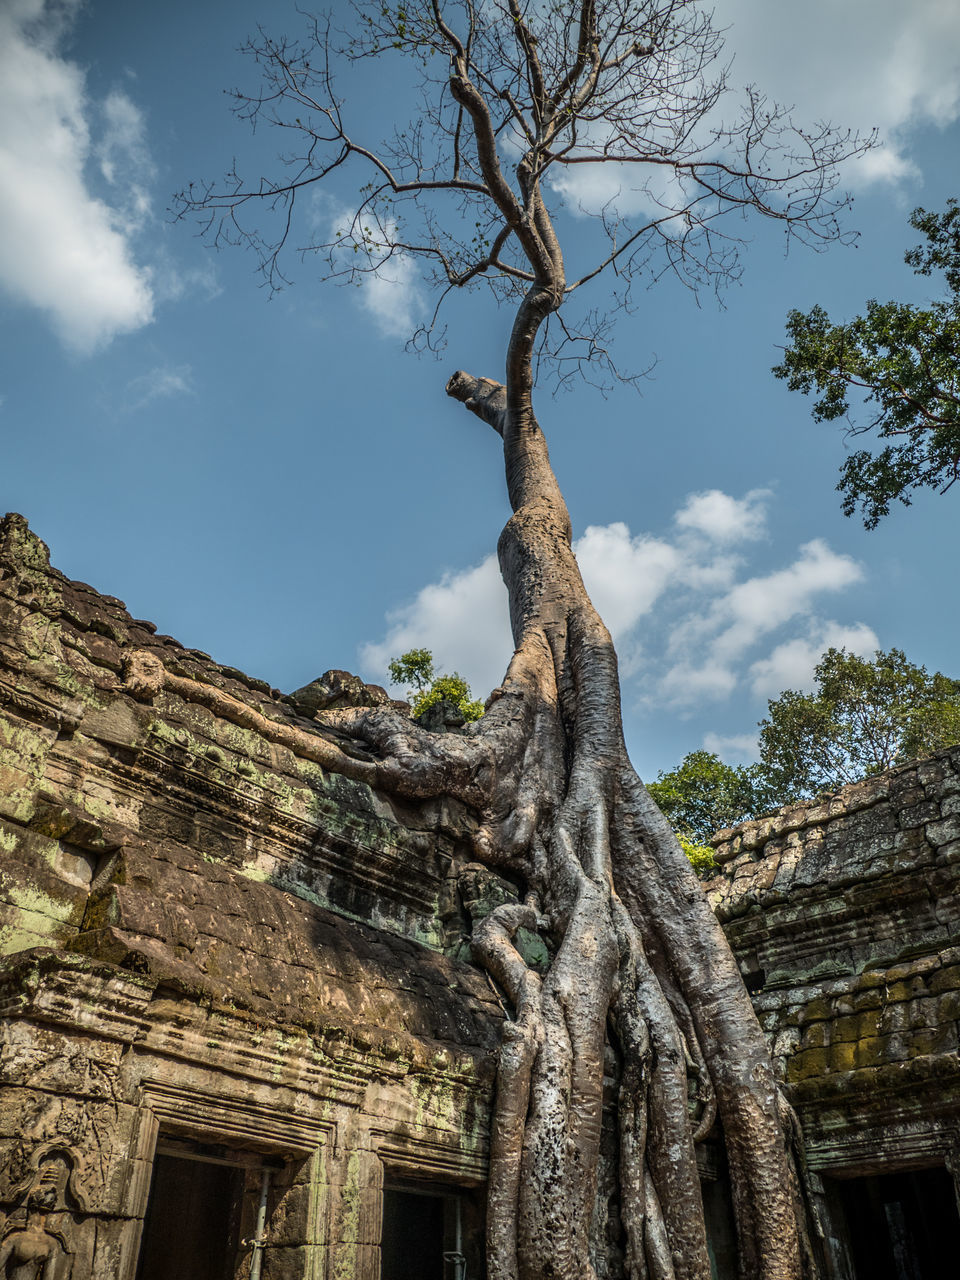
(216,949)
(844,915)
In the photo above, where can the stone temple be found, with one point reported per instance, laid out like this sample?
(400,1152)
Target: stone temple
(241,1033)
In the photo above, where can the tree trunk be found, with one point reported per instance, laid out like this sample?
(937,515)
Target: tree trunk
(640,970)
(641,994)
(639,959)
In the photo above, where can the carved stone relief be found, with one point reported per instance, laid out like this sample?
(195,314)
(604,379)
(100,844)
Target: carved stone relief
(32,1247)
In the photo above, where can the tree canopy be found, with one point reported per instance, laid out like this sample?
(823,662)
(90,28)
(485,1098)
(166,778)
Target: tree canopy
(518,101)
(904,361)
(864,716)
(701,796)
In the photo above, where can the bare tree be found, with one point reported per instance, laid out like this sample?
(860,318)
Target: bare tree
(518,97)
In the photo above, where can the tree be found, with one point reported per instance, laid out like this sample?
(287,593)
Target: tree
(415,667)
(903,359)
(701,796)
(518,95)
(865,716)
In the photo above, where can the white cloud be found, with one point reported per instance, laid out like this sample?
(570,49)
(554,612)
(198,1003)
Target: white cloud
(391,297)
(62,249)
(174,281)
(686,684)
(862,64)
(158,384)
(687,630)
(125,162)
(388,278)
(737,748)
(630,189)
(624,575)
(462,619)
(724,519)
(859,64)
(790,665)
(763,603)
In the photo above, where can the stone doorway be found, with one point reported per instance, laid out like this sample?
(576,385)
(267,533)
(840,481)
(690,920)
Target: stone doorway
(192,1223)
(430,1232)
(206,1212)
(900,1226)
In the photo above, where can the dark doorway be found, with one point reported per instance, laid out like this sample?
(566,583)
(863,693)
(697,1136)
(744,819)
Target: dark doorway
(902,1226)
(191,1226)
(430,1233)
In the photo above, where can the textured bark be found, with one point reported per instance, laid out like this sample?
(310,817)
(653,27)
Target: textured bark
(639,964)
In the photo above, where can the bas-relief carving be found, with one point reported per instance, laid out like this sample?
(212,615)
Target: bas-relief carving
(31,1246)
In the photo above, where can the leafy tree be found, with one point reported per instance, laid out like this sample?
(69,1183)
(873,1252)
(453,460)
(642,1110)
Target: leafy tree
(865,716)
(516,94)
(902,359)
(701,796)
(415,667)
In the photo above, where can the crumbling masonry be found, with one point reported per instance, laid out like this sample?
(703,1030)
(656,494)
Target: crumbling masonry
(242,1035)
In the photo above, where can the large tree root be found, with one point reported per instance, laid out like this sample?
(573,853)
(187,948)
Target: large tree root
(640,967)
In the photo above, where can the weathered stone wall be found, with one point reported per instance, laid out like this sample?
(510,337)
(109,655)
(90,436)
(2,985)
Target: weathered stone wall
(210,939)
(845,917)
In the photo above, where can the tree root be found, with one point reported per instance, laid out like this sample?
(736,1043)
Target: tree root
(639,963)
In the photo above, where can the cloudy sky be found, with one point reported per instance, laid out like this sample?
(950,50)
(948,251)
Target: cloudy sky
(276,482)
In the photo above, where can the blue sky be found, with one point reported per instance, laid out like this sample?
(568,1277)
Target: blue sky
(278,483)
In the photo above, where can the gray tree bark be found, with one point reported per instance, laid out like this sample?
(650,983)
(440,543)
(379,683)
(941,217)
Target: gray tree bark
(639,965)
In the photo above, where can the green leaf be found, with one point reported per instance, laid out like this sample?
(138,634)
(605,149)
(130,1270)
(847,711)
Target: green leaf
(894,374)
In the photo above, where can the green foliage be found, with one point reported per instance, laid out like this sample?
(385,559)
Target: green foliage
(454,689)
(415,668)
(701,796)
(865,716)
(701,856)
(902,359)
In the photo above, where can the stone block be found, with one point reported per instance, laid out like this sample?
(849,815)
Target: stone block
(290,1262)
(868,1052)
(37,1057)
(811,1064)
(353,1262)
(917,815)
(926,1041)
(847,1054)
(893,1017)
(945,831)
(816,1035)
(866,999)
(290,1217)
(947,1007)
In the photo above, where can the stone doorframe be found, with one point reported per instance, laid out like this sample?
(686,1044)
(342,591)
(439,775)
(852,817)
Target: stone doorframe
(409,1159)
(875,1152)
(249,1126)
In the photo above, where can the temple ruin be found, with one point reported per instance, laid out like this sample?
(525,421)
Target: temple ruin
(242,1035)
